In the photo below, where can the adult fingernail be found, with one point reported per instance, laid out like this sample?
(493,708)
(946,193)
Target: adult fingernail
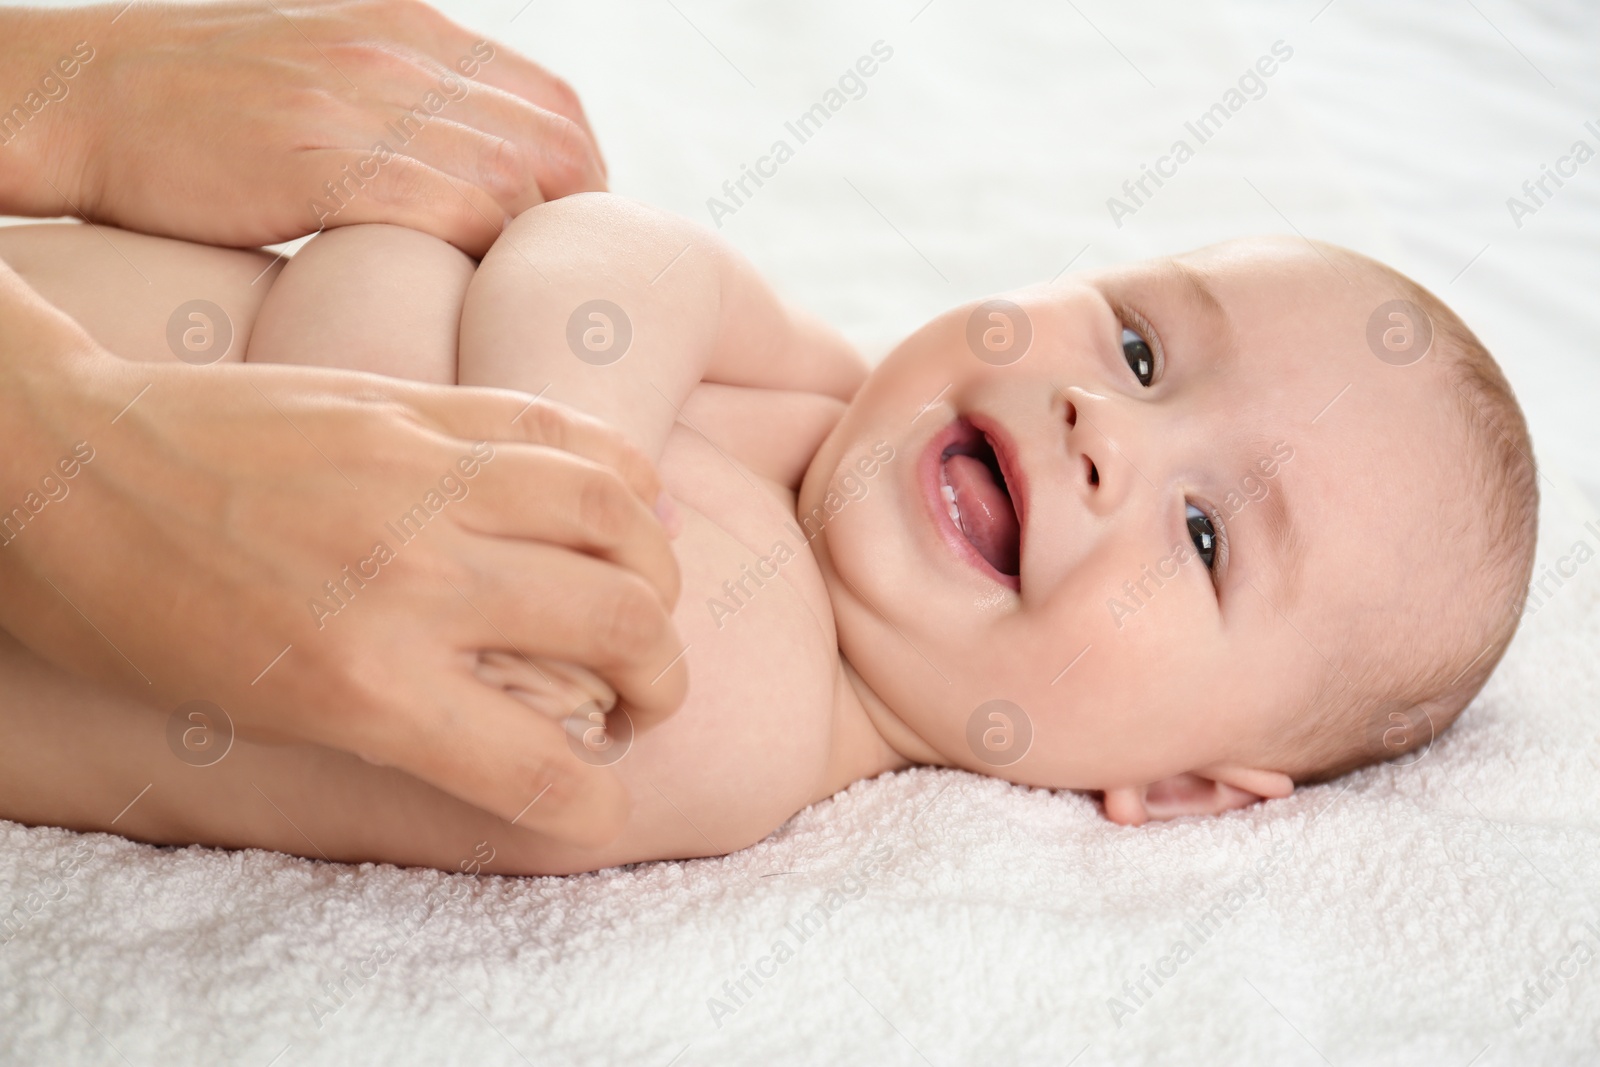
(667,512)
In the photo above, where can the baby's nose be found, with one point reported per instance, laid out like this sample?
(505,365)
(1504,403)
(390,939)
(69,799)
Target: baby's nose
(1095,464)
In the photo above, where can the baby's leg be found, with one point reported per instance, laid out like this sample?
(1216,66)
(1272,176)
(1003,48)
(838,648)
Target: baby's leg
(147,299)
(80,756)
(369,298)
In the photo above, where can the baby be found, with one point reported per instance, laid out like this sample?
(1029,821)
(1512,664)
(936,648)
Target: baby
(1180,533)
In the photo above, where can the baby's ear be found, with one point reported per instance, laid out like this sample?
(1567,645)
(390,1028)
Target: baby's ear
(1208,792)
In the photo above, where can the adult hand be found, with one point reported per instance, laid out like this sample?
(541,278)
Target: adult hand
(256,122)
(325,556)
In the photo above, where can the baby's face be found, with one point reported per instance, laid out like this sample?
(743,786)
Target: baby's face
(1148,533)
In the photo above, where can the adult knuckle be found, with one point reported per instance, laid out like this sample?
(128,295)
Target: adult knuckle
(553,782)
(603,507)
(628,619)
(566,154)
(563,97)
(442,569)
(547,424)
(502,167)
(384,440)
(411,13)
(417,15)
(360,687)
(404,184)
(371,56)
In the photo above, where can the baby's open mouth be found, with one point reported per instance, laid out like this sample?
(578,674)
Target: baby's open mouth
(975,492)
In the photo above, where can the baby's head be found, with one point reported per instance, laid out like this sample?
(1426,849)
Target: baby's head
(1185,532)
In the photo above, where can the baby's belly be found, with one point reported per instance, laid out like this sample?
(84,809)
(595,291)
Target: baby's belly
(751,745)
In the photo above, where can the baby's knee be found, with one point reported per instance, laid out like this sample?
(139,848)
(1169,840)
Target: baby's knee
(344,244)
(374,298)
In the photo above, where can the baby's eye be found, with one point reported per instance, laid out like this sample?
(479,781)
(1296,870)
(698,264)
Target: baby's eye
(1203,534)
(1136,350)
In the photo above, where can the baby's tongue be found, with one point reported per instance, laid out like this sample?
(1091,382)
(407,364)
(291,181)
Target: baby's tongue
(987,516)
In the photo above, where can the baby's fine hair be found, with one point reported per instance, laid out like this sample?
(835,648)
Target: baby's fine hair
(1403,687)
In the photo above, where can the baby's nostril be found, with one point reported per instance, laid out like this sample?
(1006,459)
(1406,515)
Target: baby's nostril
(1072,415)
(1094,474)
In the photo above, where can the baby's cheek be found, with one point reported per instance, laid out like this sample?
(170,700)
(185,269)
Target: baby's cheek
(1123,656)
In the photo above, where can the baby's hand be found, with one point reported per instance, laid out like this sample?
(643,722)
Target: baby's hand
(562,691)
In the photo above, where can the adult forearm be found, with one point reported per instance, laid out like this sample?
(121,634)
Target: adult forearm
(42,352)
(51,418)
(42,113)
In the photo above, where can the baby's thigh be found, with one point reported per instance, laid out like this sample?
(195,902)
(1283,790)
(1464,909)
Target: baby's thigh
(370,298)
(147,299)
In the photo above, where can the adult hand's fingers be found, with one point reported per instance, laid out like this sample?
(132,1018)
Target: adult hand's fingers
(540,601)
(541,146)
(519,154)
(490,63)
(491,750)
(526,79)
(542,153)
(373,187)
(480,414)
(578,504)
(549,473)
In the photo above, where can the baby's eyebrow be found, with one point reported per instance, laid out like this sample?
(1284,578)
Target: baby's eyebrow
(1196,286)
(1199,287)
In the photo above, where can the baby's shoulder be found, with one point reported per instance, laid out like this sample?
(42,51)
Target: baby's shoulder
(774,433)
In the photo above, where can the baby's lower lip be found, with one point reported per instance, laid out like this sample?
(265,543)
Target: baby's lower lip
(930,470)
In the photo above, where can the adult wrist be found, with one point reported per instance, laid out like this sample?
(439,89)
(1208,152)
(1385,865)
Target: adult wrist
(46,116)
(52,378)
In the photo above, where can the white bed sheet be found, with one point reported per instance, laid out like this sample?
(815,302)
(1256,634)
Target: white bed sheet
(1405,907)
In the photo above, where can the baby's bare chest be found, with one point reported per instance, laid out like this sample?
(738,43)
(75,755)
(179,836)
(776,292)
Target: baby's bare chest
(756,730)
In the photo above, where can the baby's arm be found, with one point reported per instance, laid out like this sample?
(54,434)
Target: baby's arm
(621,311)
